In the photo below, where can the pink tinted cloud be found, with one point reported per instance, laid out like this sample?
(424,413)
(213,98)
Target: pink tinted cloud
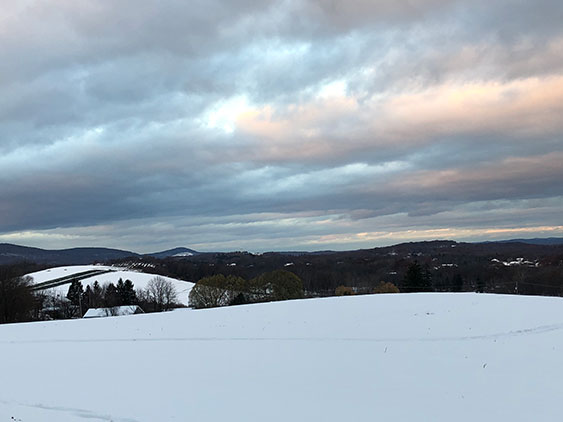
(332,126)
(513,173)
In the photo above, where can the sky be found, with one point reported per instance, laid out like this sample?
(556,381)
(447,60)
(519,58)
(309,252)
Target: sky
(279,125)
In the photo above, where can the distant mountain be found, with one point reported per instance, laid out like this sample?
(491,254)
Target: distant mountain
(174,253)
(76,256)
(10,253)
(536,241)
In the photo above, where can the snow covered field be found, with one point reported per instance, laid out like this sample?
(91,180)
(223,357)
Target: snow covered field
(140,280)
(407,357)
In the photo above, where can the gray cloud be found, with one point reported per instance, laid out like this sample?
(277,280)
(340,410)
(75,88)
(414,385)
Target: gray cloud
(291,124)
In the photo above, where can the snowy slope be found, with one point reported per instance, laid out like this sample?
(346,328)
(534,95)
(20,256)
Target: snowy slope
(407,357)
(58,272)
(140,280)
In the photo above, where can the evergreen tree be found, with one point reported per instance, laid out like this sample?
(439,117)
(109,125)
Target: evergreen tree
(417,279)
(120,288)
(126,292)
(97,295)
(128,295)
(87,298)
(111,298)
(457,283)
(75,292)
(480,285)
(427,279)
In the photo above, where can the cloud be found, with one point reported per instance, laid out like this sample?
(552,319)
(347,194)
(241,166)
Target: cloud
(342,127)
(286,123)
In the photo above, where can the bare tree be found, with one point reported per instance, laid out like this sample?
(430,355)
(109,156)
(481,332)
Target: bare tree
(217,290)
(205,296)
(161,293)
(56,306)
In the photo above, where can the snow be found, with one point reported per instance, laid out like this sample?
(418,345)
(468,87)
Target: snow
(405,357)
(115,311)
(182,254)
(140,280)
(518,261)
(58,272)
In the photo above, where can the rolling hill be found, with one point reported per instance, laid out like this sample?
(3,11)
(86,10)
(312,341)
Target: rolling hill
(401,358)
(103,274)
(14,253)
(174,253)
(10,253)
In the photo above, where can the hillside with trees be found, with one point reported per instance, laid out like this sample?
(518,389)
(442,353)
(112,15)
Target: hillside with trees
(442,266)
(242,277)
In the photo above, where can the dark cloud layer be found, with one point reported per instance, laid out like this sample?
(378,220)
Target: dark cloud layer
(279,124)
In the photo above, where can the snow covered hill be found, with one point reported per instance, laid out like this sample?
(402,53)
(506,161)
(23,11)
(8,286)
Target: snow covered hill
(406,357)
(140,280)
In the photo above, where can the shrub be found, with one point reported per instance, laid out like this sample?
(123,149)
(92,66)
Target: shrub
(240,299)
(344,291)
(277,285)
(219,290)
(386,288)
(216,290)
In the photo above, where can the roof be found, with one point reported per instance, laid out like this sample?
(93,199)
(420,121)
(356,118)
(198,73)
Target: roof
(115,311)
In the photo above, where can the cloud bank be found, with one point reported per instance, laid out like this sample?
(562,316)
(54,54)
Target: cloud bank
(279,124)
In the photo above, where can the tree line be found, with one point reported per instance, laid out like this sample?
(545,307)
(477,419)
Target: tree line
(18,303)
(451,267)
(424,266)
(159,295)
(220,290)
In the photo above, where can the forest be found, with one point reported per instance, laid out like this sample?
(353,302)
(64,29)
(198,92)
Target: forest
(447,266)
